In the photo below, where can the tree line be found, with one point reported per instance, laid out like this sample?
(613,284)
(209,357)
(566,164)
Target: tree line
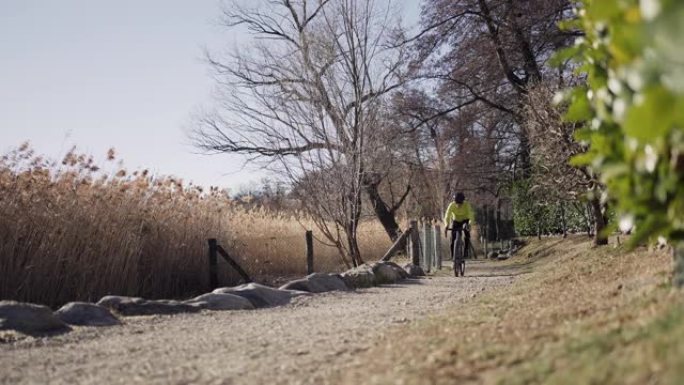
(500,99)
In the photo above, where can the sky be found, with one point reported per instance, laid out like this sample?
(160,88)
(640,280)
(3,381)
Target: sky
(127,74)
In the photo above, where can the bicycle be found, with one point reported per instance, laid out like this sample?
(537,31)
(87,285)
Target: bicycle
(458,253)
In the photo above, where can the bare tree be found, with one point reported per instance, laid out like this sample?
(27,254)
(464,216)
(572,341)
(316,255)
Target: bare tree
(554,144)
(306,96)
(484,55)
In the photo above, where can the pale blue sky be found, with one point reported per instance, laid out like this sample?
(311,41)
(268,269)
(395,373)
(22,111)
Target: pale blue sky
(126,74)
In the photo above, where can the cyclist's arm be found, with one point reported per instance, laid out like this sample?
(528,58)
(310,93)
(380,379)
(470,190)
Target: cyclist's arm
(448,215)
(471,215)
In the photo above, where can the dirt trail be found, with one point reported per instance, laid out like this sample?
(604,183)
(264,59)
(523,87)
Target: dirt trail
(304,342)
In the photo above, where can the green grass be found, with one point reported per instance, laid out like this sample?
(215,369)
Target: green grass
(575,314)
(646,353)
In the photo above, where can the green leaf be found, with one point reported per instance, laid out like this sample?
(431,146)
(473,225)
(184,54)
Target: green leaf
(580,109)
(583,135)
(584,159)
(614,170)
(604,9)
(653,118)
(564,55)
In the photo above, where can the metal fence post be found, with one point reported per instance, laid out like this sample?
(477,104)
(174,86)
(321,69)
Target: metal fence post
(438,247)
(427,250)
(415,243)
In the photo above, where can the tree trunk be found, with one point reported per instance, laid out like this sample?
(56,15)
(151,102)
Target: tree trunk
(485,225)
(383,212)
(539,228)
(498,218)
(524,154)
(600,221)
(587,218)
(353,244)
(678,272)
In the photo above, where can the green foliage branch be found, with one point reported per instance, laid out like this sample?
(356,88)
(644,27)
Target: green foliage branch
(632,108)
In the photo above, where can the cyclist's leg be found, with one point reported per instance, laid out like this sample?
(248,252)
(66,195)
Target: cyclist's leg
(453,238)
(466,244)
(455,252)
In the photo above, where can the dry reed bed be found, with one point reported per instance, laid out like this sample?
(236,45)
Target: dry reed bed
(71,231)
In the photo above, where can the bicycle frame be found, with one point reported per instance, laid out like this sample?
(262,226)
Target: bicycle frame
(458,251)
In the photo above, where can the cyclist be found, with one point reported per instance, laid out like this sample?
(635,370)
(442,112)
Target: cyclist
(457,214)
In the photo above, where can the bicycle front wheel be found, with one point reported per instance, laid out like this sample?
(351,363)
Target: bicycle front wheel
(458,261)
(457,254)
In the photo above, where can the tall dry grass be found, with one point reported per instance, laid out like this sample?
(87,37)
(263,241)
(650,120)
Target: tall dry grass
(71,231)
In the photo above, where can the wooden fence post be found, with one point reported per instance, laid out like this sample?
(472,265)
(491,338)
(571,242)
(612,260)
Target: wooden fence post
(234,264)
(401,242)
(213,277)
(425,243)
(429,249)
(415,243)
(438,247)
(309,252)
(485,232)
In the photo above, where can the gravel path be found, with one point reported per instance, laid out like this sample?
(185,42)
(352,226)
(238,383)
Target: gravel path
(304,342)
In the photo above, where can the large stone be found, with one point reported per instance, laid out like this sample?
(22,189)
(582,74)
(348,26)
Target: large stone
(260,295)
(29,318)
(385,274)
(402,273)
(139,306)
(414,271)
(317,283)
(359,277)
(86,314)
(216,301)
(301,284)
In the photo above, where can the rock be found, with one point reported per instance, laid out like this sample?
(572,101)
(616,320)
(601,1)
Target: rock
(492,255)
(317,283)
(301,284)
(260,295)
(400,270)
(385,274)
(29,318)
(139,306)
(414,270)
(86,314)
(219,301)
(359,277)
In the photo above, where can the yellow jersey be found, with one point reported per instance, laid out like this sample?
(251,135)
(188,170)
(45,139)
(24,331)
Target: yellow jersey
(459,212)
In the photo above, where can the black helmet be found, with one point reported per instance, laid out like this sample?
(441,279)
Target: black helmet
(459,197)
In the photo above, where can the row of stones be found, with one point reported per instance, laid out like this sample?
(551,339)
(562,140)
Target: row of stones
(38,319)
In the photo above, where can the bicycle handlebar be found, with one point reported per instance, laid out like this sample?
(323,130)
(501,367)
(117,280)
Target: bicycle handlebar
(465,225)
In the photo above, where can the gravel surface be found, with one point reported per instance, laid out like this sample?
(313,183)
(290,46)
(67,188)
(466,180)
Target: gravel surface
(305,342)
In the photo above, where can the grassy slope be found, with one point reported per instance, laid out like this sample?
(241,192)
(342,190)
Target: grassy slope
(575,315)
